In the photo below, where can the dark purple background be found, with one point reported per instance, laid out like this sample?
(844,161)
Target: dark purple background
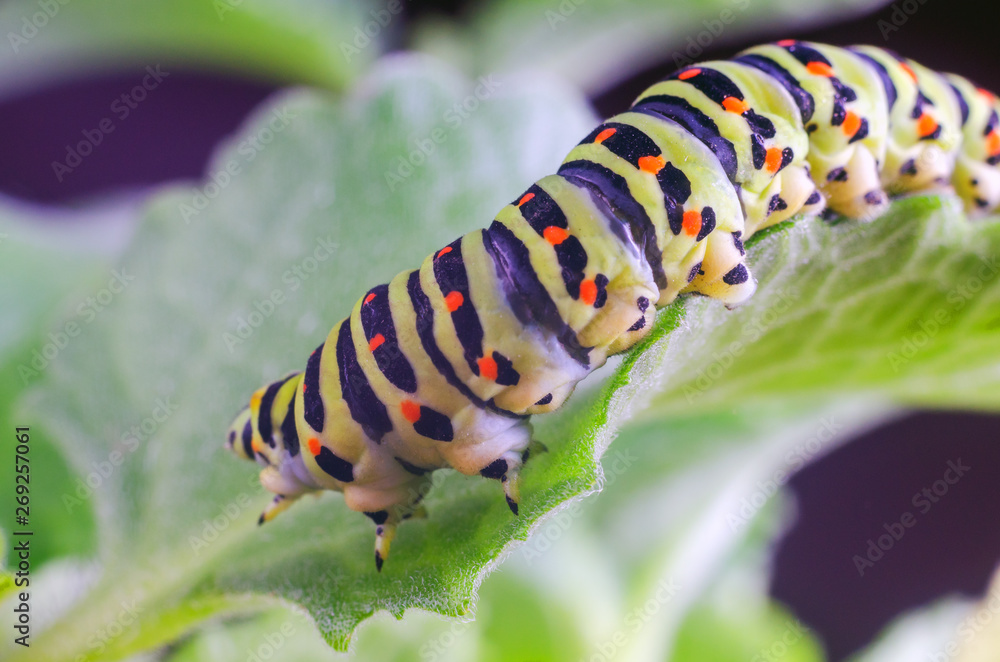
(845,498)
(170,134)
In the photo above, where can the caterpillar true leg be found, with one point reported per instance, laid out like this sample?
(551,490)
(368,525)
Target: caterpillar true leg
(386,522)
(444,365)
(507,469)
(388,519)
(278,505)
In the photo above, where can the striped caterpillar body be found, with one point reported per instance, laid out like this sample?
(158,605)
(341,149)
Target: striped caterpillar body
(444,365)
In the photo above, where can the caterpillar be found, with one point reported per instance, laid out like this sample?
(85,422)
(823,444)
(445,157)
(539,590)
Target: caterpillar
(444,365)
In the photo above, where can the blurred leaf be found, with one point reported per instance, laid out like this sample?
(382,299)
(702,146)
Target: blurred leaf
(367,180)
(978,634)
(507,604)
(954,628)
(596,43)
(49,261)
(283,632)
(743,630)
(927,633)
(296,41)
(46,253)
(736,620)
(686,498)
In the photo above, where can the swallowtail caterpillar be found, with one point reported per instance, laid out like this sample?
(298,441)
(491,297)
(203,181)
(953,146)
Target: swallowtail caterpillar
(444,365)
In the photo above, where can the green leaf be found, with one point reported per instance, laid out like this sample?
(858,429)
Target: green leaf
(299,41)
(907,307)
(235,284)
(737,620)
(49,263)
(597,44)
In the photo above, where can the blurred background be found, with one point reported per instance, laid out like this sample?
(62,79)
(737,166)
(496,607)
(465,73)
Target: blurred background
(843,498)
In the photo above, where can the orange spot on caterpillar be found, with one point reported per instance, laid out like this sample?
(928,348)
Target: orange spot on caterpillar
(691,223)
(525,198)
(993,143)
(785,43)
(604,135)
(986,93)
(411,410)
(734,105)
(255,399)
(314,445)
(443,251)
(368,299)
(651,164)
(487,367)
(255,445)
(376,342)
(454,301)
(926,125)
(772,160)
(820,69)
(588,292)
(688,73)
(555,235)
(851,123)
(909,71)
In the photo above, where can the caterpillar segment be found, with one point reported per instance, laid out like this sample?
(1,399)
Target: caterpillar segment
(444,365)
(976,177)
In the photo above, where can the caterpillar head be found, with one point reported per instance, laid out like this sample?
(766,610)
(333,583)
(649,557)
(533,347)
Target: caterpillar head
(266,426)
(239,437)
(978,183)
